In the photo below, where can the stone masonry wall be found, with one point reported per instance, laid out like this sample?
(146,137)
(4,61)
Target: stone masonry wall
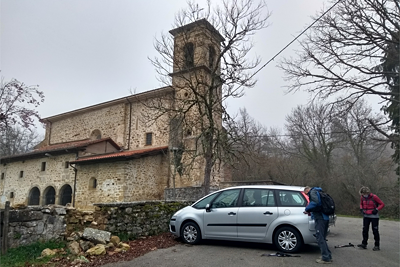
(109,187)
(109,120)
(55,175)
(146,178)
(130,219)
(138,179)
(32,224)
(143,121)
(138,219)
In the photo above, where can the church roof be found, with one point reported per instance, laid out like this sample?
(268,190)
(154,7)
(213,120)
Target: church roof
(58,149)
(122,155)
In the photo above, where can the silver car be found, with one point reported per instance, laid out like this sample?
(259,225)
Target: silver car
(260,213)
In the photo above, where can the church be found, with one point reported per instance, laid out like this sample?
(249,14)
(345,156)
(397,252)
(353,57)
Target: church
(136,148)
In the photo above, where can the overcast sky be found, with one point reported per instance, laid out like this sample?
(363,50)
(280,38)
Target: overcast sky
(84,52)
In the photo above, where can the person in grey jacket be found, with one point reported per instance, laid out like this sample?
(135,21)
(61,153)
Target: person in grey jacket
(321,223)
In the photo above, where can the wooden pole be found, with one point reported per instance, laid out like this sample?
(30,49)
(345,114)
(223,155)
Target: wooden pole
(6,219)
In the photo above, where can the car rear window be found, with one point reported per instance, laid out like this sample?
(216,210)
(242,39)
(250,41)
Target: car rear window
(291,198)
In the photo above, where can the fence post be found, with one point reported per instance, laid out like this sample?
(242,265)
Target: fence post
(6,219)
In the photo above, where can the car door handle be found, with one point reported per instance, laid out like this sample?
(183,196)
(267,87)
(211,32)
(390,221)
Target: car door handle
(267,213)
(231,213)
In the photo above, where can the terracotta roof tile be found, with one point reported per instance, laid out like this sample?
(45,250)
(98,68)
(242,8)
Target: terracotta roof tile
(62,146)
(76,144)
(124,154)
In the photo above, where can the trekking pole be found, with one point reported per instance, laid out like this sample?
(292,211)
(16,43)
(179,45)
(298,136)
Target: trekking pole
(344,246)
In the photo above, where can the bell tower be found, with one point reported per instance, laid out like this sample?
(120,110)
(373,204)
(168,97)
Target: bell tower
(197,99)
(196,46)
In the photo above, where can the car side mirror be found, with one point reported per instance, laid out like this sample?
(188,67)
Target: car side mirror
(208,208)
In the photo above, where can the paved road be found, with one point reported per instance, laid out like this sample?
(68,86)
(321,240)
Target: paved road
(216,253)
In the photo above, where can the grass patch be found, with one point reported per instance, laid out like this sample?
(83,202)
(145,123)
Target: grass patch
(28,254)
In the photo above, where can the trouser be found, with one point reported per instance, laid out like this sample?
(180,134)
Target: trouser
(321,228)
(375,224)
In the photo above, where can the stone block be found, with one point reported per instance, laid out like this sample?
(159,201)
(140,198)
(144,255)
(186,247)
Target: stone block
(96,236)
(25,215)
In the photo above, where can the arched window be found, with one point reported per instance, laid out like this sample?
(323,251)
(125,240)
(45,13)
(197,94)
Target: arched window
(34,196)
(49,196)
(211,57)
(189,55)
(92,183)
(96,134)
(65,195)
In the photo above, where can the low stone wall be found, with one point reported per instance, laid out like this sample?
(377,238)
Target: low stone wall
(186,193)
(32,224)
(127,220)
(138,219)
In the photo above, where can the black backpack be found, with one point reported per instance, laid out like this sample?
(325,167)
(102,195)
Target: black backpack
(327,204)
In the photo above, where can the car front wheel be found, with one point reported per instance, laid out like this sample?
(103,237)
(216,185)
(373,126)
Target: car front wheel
(288,239)
(190,233)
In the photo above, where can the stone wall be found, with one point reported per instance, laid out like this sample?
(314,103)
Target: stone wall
(135,219)
(186,193)
(131,219)
(32,224)
(122,122)
(144,178)
(16,189)
(110,121)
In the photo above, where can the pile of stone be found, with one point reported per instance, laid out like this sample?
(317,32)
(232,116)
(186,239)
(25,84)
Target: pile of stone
(91,242)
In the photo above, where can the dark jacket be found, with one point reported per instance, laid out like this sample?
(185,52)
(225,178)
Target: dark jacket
(315,200)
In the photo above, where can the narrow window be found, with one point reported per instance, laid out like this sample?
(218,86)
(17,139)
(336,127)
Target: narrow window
(149,139)
(21,174)
(11,194)
(211,57)
(93,183)
(189,55)
(188,132)
(43,166)
(67,164)
(3,175)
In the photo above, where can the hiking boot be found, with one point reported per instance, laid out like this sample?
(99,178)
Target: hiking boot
(362,246)
(376,248)
(330,259)
(323,262)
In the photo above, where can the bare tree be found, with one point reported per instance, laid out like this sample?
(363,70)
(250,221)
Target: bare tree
(309,129)
(18,103)
(206,61)
(352,52)
(248,150)
(17,140)
(359,159)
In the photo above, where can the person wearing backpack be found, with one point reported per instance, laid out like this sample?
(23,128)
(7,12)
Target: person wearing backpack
(370,204)
(321,222)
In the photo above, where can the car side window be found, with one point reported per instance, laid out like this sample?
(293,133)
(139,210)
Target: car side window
(291,198)
(202,203)
(226,198)
(253,197)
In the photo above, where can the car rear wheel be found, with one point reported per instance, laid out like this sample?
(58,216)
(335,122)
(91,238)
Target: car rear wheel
(190,233)
(288,239)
